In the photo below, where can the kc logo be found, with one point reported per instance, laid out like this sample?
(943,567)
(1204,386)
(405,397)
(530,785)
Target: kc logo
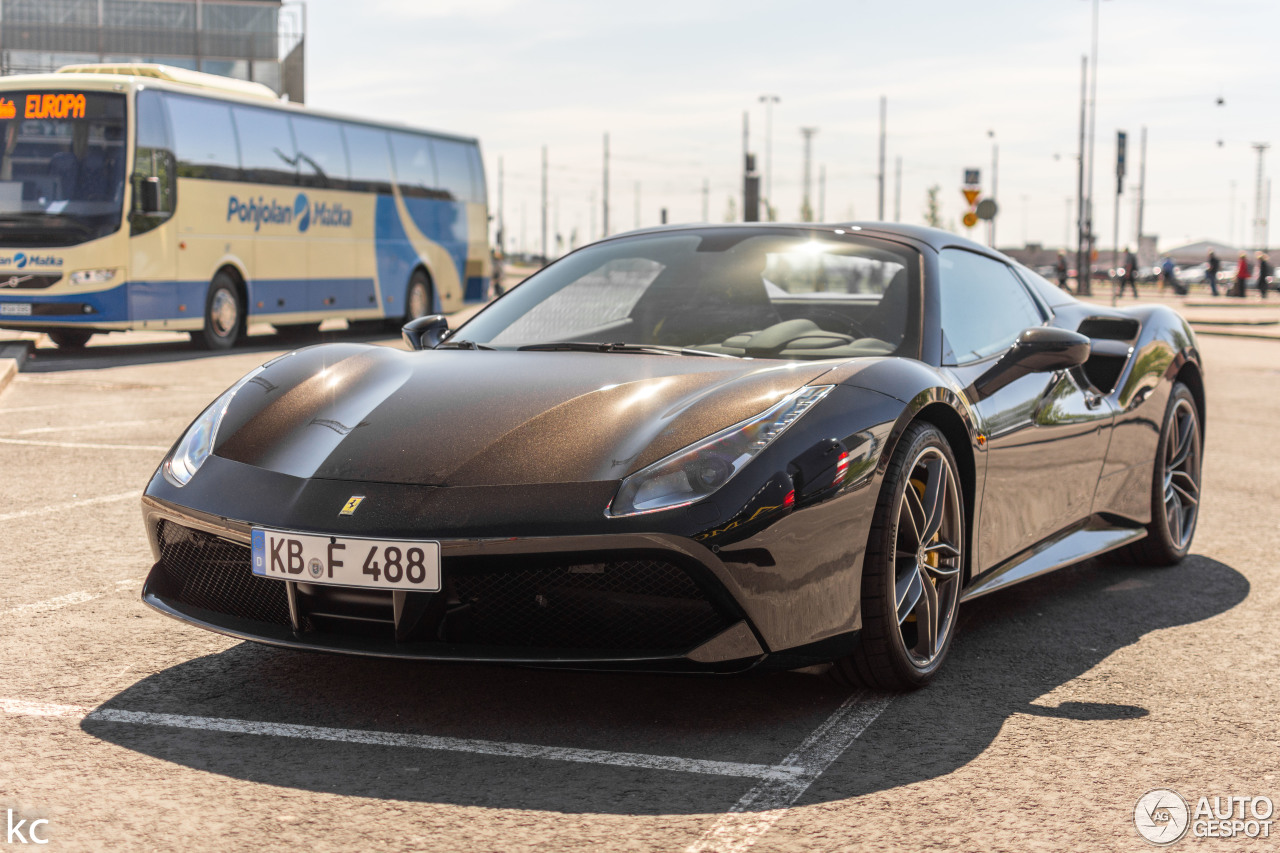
(15,836)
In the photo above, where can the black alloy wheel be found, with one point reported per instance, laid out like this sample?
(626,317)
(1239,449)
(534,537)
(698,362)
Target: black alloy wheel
(1175,487)
(224,321)
(913,569)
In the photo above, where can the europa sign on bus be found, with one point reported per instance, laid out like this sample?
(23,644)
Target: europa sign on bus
(55,106)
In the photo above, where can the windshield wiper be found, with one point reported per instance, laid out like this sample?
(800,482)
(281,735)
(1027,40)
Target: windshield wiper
(597,346)
(460,343)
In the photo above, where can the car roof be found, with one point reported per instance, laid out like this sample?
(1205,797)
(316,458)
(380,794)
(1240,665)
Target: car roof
(934,238)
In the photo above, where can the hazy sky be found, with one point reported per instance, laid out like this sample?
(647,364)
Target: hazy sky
(669,81)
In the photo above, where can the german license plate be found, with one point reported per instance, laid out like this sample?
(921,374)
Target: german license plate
(346,561)
(15,309)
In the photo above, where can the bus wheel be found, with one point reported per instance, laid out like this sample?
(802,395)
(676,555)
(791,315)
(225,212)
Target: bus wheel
(418,299)
(69,338)
(223,314)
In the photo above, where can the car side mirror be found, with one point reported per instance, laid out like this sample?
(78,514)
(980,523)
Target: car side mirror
(149,195)
(1040,349)
(425,332)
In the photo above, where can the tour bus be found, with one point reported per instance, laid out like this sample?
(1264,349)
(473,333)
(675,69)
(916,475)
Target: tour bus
(149,197)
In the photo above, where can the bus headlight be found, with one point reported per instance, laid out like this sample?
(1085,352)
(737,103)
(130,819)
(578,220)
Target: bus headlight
(689,475)
(197,443)
(101,276)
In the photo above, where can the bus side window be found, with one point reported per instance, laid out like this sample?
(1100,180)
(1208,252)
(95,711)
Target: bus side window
(153,158)
(267,152)
(453,164)
(370,158)
(204,139)
(322,156)
(415,167)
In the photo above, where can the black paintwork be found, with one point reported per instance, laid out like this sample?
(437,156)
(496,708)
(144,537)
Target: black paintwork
(521,452)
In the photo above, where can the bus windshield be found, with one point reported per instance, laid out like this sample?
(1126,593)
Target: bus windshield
(62,167)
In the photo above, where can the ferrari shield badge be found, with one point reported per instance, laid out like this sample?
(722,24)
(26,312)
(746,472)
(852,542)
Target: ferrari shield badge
(352,505)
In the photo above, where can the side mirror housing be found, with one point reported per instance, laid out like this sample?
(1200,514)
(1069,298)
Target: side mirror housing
(425,332)
(149,195)
(1040,349)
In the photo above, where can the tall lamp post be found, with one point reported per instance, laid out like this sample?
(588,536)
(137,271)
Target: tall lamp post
(768,101)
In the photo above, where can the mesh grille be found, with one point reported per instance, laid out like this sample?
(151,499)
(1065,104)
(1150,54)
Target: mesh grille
(646,604)
(215,574)
(634,605)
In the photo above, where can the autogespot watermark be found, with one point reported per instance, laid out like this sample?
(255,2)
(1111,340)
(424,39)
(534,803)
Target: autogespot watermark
(1162,817)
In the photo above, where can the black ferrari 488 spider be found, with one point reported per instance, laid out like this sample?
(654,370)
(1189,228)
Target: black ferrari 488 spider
(703,448)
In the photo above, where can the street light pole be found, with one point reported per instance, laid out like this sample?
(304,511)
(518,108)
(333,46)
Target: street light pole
(768,101)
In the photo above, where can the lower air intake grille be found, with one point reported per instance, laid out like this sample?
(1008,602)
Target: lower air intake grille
(641,605)
(215,574)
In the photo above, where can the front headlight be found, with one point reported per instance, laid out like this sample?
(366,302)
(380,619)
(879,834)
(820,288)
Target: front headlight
(93,276)
(695,472)
(197,443)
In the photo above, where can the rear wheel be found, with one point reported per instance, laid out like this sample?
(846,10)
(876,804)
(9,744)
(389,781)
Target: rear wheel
(69,338)
(913,568)
(1175,486)
(418,297)
(223,314)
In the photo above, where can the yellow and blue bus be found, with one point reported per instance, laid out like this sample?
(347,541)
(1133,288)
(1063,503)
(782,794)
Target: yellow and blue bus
(148,197)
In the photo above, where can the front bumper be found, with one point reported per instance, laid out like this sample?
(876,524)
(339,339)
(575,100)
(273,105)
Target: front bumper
(630,601)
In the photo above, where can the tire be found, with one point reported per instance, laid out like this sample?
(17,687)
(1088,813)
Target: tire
(224,320)
(1175,486)
(69,339)
(899,596)
(417,299)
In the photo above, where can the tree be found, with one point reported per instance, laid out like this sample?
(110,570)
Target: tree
(731,210)
(932,210)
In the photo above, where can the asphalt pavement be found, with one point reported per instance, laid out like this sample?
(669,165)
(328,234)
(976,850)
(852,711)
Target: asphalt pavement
(1063,700)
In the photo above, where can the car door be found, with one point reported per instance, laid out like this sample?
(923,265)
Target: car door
(1046,433)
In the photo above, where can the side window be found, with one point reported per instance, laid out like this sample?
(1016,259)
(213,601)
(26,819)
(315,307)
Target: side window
(477,174)
(266,146)
(204,139)
(322,157)
(983,306)
(453,168)
(415,167)
(370,158)
(153,158)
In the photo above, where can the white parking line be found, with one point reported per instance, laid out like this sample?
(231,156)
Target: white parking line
(769,800)
(61,507)
(78,597)
(676,764)
(83,446)
(99,425)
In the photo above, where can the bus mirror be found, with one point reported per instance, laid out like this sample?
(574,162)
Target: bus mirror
(149,195)
(425,332)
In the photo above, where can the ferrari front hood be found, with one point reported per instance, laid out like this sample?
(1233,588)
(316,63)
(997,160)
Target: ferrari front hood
(478,418)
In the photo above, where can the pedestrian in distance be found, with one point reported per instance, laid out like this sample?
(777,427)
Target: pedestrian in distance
(1211,268)
(1167,277)
(1128,275)
(1264,273)
(1060,266)
(1242,276)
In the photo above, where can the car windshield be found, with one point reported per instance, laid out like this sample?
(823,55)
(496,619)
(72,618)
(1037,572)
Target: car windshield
(62,166)
(761,292)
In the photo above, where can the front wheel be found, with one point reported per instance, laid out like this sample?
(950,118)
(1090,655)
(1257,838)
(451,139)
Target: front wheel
(1175,486)
(223,314)
(913,568)
(69,338)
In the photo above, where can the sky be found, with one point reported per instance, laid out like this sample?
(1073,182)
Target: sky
(669,82)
